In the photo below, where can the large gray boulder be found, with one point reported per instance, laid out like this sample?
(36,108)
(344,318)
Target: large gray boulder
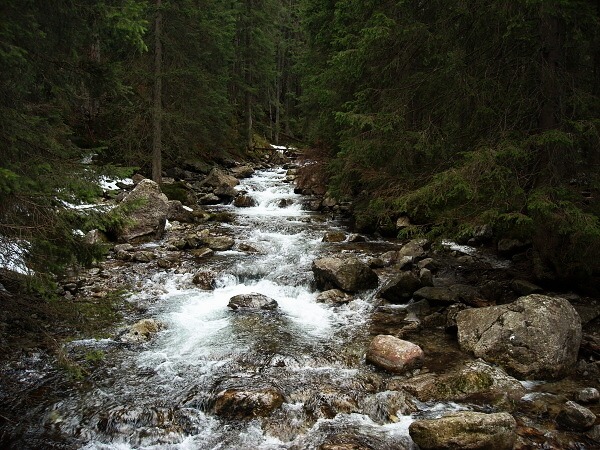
(393,354)
(146,209)
(348,274)
(465,431)
(535,337)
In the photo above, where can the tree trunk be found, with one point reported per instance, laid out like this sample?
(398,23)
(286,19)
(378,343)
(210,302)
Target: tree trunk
(550,89)
(157,98)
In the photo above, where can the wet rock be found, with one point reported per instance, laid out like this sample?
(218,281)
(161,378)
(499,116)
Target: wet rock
(248,248)
(534,337)
(465,430)
(226,193)
(242,171)
(244,201)
(285,202)
(180,213)
(394,355)
(389,258)
(123,248)
(400,288)
(524,287)
(327,405)
(217,179)
(143,256)
(220,243)
(201,253)
(510,247)
(348,274)
(209,199)
(252,301)
(357,238)
(415,249)
(334,236)
(473,382)
(451,313)
(439,295)
(426,277)
(575,417)
(205,279)
(146,209)
(334,297)
(429,264)
(247,404)
(588,395)
(142,331)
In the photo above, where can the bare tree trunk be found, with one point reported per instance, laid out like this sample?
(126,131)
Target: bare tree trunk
(157,98)
(248,78)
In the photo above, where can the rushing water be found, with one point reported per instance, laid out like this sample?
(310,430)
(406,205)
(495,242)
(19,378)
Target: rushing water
(162,395)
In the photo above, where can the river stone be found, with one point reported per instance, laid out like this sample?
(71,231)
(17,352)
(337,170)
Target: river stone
(334,236)
(393,354)
(475,381)
(348,274)
(510,247)
(242,171)
(201,253)
(217,178)
(209,199)
(143,256)
(252,301)
(244,201)
(524,287)
(426,277)
(148,216)
(247,404)
(415,249)
(177,212)
(400,288)
(588,395)
(334,297)
(575,417)
(219,243)
(535,337)
(142,331)
(465,431)
(205,279)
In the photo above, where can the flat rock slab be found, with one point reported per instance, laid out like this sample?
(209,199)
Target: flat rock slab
(465,431)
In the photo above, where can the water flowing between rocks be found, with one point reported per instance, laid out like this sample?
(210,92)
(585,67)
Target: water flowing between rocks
(163,394)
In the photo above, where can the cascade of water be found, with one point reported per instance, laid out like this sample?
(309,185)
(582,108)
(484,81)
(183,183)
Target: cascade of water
(163,396)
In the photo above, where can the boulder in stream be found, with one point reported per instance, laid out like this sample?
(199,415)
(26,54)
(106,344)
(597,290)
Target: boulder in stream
(252,301)
(146,209)
(475,382)
(142,331)
(465,430)
(247,404)
(334,297)
(575,417)
(348,274)
(393,354)
(400,288)
(244,201)
(534,337)
(219,243)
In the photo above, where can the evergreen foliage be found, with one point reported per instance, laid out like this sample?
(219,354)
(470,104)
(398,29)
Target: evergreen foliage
(463,113)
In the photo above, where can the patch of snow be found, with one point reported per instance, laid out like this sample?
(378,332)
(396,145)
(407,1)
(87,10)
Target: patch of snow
(187,208)
(12,254)
(109,184)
